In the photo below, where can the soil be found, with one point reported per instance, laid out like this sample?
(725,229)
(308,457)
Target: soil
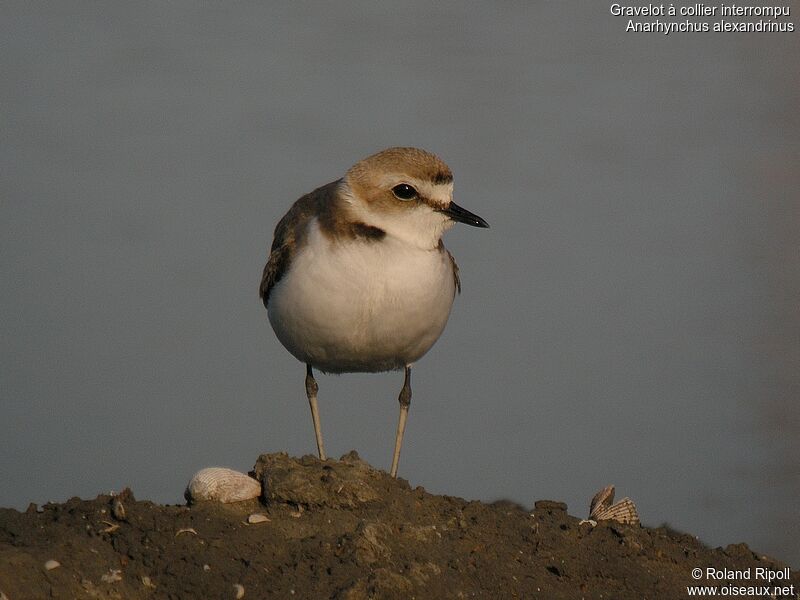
(341,529)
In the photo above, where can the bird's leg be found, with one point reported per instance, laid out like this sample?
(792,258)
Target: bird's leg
(311,392)
(405,402)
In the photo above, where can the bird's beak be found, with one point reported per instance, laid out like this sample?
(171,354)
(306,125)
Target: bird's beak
(462,215)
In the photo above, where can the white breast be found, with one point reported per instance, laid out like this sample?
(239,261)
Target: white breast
(361,305)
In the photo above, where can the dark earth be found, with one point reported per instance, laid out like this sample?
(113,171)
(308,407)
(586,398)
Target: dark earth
(341,529)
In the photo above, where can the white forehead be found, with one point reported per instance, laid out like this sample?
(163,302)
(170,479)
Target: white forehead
(439,194)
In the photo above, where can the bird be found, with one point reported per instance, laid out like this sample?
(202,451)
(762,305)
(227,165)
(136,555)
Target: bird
(358,278)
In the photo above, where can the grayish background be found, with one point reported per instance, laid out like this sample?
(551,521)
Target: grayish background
(631,317)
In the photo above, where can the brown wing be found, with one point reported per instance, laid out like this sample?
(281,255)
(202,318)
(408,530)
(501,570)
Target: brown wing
(289,233)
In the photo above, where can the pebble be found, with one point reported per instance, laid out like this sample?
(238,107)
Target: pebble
(239,589)
(51,564)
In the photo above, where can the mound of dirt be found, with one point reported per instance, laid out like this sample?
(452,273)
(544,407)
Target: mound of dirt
(341,529)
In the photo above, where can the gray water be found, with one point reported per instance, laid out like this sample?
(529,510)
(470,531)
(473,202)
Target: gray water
(631,317)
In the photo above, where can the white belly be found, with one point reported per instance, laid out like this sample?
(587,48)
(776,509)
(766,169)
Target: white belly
(360,305)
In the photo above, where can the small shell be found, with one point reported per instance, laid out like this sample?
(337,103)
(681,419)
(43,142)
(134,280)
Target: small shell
(238,590)
(51,564)
(112,576)
(623,511)
(257,518)
(112,527)
(602,508)
(222,485)
(601,500)
(118,510)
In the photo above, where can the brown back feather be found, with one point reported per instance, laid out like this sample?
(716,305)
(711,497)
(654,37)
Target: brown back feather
(291,229)
(288,234)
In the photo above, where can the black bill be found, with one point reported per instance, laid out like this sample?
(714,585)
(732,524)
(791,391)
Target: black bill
(462,215)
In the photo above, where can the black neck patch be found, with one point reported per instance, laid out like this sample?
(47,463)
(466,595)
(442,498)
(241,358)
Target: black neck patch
(367,232)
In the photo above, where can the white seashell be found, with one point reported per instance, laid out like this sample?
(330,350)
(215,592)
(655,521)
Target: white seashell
(623,511)
(238,589)
(602,499)
(51,564)
(257,518)
(602,508)
(222,485)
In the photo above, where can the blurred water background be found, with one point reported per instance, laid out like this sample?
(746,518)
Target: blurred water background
(631,317)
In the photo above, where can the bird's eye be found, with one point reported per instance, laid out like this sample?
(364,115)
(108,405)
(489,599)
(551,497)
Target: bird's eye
(404,191)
